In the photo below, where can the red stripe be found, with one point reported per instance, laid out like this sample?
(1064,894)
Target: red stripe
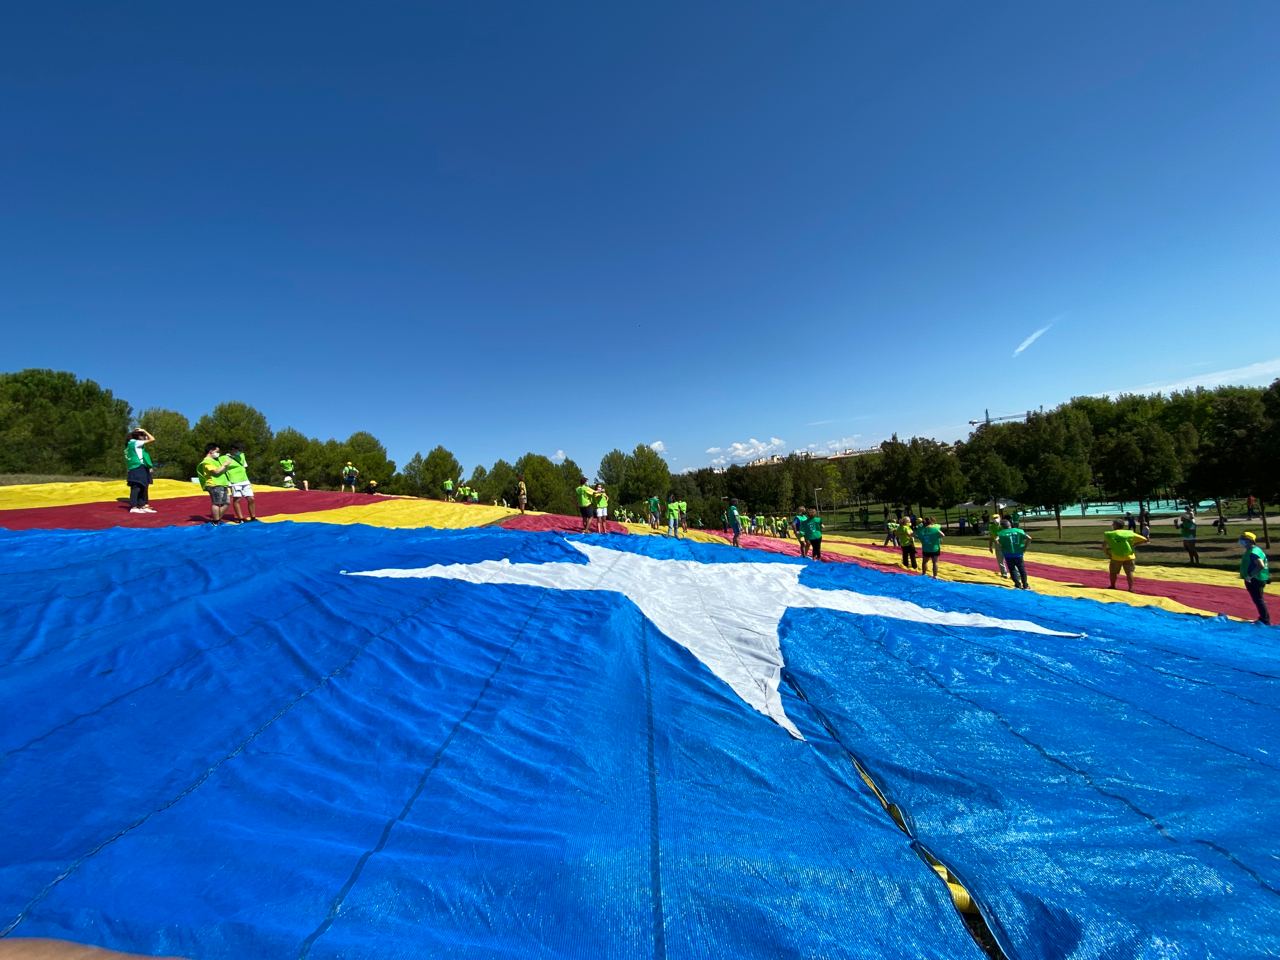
(554,523)
(173,512)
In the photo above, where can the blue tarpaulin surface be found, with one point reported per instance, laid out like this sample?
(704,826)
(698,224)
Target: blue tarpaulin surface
(216,744)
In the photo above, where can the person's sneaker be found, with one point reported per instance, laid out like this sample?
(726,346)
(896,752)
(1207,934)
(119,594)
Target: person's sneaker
(136,510)
(149,510)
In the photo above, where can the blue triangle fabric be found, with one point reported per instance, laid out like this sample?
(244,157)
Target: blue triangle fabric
(216,744)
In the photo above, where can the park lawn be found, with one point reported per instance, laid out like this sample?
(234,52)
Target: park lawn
(1165,547)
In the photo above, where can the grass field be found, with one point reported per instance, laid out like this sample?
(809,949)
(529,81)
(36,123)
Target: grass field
(1085,539)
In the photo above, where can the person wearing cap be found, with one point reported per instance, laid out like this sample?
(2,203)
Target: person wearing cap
(1255,571)
(586,502)
(993,543)
(350,475)
(1118,544)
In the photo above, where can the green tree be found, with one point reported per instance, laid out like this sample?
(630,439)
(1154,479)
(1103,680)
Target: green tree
(52,422)
(896,481)
(438,466)
(614,467)
(175,451)
(499,484)
(987,461)
(940,480)
(236,422)
(546,485)
(1138,461)
(1055,460)
(368,454)
(647,475)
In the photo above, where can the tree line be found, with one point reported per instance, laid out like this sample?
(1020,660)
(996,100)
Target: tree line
(1196,444)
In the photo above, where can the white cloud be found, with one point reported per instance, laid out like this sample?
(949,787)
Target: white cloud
(1264,371)
(743,450)
(559,456)
(819,423)
(658,446)
(1033,338)
(835,446)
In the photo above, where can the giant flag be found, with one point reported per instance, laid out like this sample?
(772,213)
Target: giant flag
(302,740)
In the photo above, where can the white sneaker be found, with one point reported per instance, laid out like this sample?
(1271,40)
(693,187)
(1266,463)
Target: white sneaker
(149,510)
(136,510)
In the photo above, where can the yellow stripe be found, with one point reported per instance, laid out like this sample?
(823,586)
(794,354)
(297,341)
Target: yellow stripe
(1199,575)
(1053,588)
(23,495)
(401,513)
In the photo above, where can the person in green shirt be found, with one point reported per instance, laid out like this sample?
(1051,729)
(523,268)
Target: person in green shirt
(350,475)
(238,480)
(602,508)
(1118,544)
(797,524)
(930,536)
(213,479)
(673,516)
(906,540)
(1255,571)
(586,502)
(1013,544)
(993,534)
(448,490)
(138,469)
(684,515)
(1186,525)
(735,521)
(813,534)
(655,508)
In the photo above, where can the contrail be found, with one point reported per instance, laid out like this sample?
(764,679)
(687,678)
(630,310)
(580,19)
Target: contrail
(1032,339)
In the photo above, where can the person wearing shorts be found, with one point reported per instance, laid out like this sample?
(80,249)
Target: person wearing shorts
(1118,544)
(655,509)
(213,479)
(137,462)
(930,535)
(350,475)
(522,493)
(586,502)
(238,480)
(602,509)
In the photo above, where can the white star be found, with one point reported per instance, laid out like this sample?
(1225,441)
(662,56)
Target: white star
(725,614)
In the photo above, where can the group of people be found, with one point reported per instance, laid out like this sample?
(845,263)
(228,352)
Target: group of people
(460,492)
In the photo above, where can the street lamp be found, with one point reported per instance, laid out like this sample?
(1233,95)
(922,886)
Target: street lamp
(815,499)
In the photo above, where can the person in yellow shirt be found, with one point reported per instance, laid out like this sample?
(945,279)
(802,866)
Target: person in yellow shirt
(1118,544)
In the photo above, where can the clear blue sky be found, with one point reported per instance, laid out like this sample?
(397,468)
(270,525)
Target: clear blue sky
(510,227)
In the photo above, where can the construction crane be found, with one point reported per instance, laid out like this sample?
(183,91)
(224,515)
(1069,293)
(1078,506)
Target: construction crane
(989,419)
